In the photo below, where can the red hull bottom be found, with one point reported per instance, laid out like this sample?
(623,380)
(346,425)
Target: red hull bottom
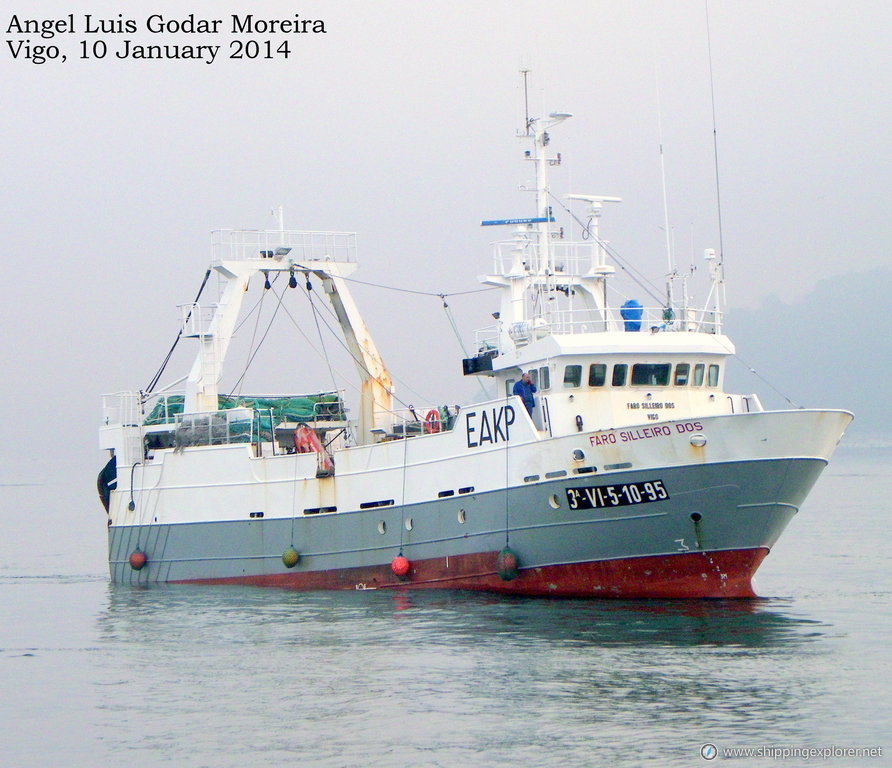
(687,575)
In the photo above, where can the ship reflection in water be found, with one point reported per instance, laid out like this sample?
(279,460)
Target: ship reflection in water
(445,676)
(460,618)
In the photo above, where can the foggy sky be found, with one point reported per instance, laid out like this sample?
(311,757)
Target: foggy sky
(399,124)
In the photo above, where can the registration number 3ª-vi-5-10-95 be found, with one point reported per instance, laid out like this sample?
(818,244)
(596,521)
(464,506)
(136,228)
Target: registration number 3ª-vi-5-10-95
(619,495)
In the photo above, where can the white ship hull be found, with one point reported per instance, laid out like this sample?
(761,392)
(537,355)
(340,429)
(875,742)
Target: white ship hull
(224,515)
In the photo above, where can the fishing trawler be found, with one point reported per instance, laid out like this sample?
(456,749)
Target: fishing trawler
(631,474)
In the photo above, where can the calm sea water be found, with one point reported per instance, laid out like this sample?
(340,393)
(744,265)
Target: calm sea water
(95,675)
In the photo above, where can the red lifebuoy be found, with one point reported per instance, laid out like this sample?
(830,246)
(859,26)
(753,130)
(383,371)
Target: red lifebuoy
(432,421)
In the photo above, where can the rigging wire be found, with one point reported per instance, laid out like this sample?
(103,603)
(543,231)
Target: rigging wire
(322,354)
(718,199)
(405,472)
(259,307)
(588,233)
(410,290)
(765,381)
(294,486)
(248,314)
(154,382)
(507,480)
(452,322)
(361,363)
(441,296)
(312,304)
(310,344)
(449,316)
(637,276)
(451,319)
(732,353)
(259,345)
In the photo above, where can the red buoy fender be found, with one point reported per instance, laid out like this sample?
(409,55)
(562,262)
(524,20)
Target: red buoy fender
(138,559)
(400,566)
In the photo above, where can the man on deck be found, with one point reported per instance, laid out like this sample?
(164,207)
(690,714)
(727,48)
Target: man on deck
(524,389)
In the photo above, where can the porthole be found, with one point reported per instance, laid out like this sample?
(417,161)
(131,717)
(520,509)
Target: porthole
(462,517)
(382,527)
(408,523)
(554,502)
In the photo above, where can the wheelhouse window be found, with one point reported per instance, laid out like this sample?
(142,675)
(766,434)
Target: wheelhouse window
(572,375)
(597,374)
(544,378)
(620,371)
(713,380)
(534,377)
(682,374)
(699,370)
(650,374)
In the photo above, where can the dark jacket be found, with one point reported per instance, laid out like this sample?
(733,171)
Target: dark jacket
(525,392)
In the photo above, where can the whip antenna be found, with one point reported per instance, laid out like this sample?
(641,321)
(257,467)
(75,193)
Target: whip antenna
(715,147)
(670,256)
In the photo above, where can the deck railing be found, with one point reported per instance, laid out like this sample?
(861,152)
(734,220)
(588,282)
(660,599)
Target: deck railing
(565,257)
(122,408)
(579,321)
(276,245)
